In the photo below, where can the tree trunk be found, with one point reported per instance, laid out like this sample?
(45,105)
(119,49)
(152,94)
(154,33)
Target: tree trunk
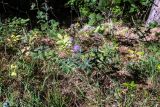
(154,15)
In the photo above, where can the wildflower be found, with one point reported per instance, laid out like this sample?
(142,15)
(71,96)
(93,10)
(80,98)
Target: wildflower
(76,48)
(13,70)
(13,74)
(13,66)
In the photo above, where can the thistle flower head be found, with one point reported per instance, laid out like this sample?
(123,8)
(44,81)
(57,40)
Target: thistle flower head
(76,48)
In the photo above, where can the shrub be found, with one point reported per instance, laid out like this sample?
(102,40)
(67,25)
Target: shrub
(145,68)
(129,9)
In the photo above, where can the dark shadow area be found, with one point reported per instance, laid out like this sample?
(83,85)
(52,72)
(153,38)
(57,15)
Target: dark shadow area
(57,10)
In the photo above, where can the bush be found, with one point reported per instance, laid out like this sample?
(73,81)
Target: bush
(128,9)
(145,68)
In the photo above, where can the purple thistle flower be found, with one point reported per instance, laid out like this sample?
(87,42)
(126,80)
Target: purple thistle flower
(76,48)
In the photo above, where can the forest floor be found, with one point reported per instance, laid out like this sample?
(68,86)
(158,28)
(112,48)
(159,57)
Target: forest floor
(108,65)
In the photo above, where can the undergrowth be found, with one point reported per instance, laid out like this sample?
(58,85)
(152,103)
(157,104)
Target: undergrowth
(86,66)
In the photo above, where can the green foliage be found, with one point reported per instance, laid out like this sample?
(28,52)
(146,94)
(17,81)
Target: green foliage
(56,99)
(63,41)
(11,32)
(153,48)
(49,26)
(53,28)
(153,25)
(90,8)
(94,18)
(131,86)
(42,53)
(67,65)
(13,26)
(145,68)
(114,8)
(108,57)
